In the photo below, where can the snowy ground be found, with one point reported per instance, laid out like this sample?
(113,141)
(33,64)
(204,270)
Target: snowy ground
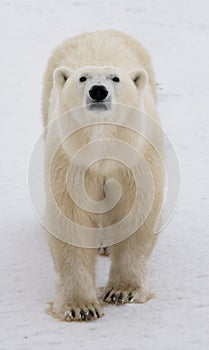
(176,34)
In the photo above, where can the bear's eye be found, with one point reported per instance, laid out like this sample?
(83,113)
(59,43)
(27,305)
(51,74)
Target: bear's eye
(82,79)
(116,79)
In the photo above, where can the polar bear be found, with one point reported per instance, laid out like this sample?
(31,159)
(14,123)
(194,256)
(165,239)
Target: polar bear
(101,79)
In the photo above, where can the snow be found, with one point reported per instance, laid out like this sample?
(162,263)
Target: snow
(176,35)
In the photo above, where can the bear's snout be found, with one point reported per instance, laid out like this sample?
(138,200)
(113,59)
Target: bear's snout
(98,93)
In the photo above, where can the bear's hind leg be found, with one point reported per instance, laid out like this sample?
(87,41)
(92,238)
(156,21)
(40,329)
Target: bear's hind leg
(104,251)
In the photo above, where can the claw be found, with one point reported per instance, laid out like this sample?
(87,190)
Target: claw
(113,297)
(85,313)
(120,298)
(91,313)
(107,294)
(130,298)
(68,315)
(97,313)
(82,313)
(72,313)
(88,316)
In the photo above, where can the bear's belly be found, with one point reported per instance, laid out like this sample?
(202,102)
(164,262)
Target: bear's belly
(106,190)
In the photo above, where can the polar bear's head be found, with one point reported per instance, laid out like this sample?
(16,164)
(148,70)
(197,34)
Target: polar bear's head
(98,89)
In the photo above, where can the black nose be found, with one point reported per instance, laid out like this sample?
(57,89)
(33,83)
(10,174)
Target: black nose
(98,93)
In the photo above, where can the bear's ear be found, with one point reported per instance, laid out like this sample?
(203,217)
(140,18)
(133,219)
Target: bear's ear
(140,78)
(61,75)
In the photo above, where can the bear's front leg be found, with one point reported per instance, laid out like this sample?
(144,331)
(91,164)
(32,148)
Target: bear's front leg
(127,281)
(76,298)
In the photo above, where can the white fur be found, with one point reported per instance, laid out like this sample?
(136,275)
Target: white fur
(100,55)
